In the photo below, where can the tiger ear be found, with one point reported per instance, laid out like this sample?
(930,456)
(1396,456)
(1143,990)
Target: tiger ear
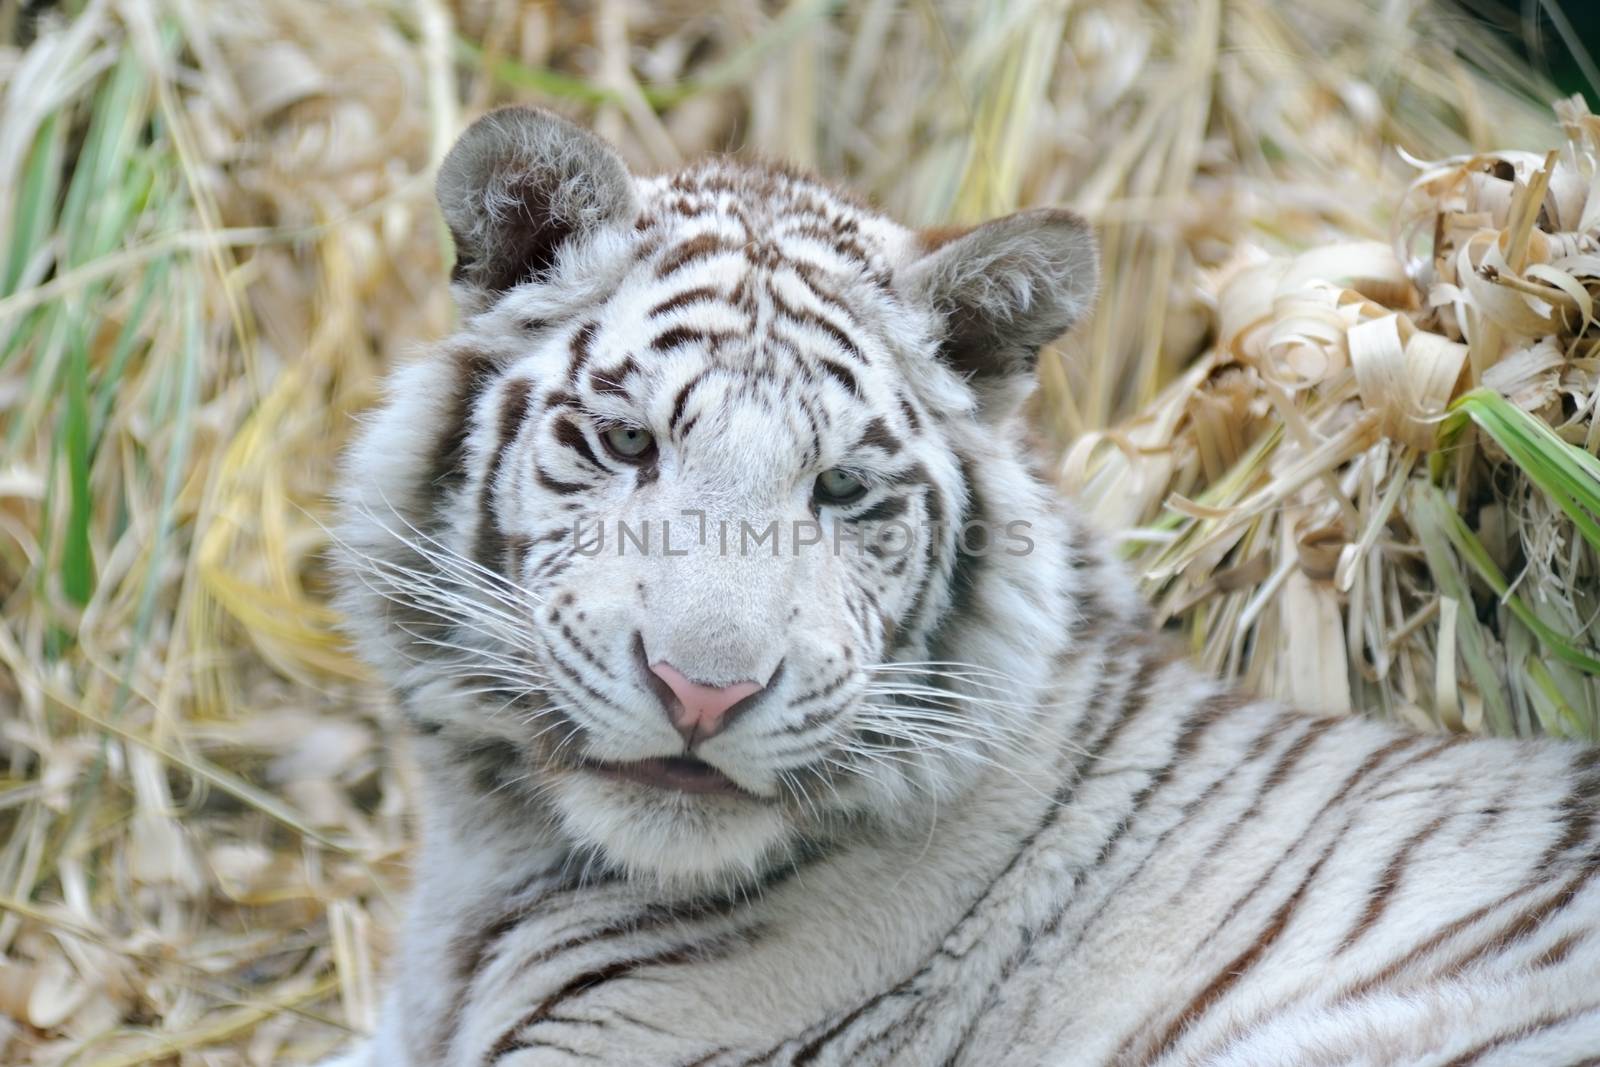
(520,185)
(1006,288)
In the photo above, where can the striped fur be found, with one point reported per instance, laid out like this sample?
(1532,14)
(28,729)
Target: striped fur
(991,817)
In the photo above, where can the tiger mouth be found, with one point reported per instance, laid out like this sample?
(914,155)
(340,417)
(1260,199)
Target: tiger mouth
(683,774)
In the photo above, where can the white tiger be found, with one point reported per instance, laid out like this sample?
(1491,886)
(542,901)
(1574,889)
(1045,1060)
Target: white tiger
(842,797)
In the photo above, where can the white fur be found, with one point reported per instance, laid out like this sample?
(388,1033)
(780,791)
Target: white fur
(1090,853)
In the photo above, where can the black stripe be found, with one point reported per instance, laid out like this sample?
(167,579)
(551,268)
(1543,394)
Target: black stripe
(582,343)
(469,951)
(840,338)
(700,293)
(1578,808)
(682,399)
(808,317)
(555,485)
(878,435)
(1146,658)
(1373,761)
(675,337)
(562,399)
(1524,1030)
(577,679)
(1236,968)
(1525,924)
(913,420)
(1389,881)
(1210,711)
(811,275)
(655,917)
(1198,805)
(696,248)
(569,434)
(610,382)
(474,373)
(1558,951)
(513,1041)
(489,545)
(891,507)
(966,572)
(1429,943)
(840,372)
(830,235)
(934,511)
(583,650)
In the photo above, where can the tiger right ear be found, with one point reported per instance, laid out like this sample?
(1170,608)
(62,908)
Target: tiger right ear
(519,186)
(1005,288)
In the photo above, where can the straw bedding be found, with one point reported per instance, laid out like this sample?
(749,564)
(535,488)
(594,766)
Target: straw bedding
(1339,400)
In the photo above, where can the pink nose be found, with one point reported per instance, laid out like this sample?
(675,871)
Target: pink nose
(701,710)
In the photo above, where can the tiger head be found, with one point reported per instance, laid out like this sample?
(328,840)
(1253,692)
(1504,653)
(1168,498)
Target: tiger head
(711,531)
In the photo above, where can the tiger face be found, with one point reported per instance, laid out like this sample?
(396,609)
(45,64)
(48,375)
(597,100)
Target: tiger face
(685,540)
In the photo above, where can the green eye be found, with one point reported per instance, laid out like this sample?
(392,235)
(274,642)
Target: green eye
(628,442)
(839,487)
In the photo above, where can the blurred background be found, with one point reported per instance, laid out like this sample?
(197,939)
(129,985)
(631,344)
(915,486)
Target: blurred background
(1338,402)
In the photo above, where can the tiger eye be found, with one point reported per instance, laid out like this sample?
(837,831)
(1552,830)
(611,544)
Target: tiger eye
(628,442)
(838,486)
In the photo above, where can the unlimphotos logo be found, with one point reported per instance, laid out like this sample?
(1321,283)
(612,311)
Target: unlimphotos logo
(693,530)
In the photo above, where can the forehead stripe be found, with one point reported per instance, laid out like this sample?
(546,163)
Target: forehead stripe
(814,444)
(695,248)
(807,317)
(582,341)
(809,273)
(560,398)
(878,435)
(610,382)
(840,337)
(680,402)
(844,245)
(841,372)
(700,293)
(678,336)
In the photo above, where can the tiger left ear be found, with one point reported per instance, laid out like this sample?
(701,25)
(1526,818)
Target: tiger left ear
(520,186)
(1006,288)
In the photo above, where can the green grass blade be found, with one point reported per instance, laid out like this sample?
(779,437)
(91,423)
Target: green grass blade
(1556,714)
(110,183)
(35,216)
(77,564)
(90,219)
(1431,516)
(187,390)
(1565,473)
(1472,551)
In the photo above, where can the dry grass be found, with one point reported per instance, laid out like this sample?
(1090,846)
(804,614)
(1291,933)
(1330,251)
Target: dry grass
(218,231)
(1316,465)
